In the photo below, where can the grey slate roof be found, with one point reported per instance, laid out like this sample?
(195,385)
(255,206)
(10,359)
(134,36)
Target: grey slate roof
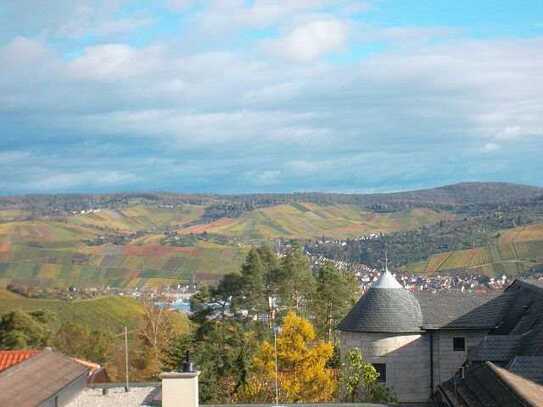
(529,367)
(393,310)
(496,348)
(457,310)
(516,341)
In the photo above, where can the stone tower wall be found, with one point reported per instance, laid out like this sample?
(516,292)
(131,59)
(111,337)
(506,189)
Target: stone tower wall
(407,359)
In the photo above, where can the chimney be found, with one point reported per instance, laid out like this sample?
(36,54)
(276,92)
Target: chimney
(180,389)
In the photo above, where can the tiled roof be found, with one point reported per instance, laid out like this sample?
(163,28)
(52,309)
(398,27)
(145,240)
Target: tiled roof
(9,358)
(38,378)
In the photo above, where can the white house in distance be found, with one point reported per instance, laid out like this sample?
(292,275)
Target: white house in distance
(419,341)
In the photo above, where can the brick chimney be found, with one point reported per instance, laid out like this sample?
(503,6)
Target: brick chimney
(180,389)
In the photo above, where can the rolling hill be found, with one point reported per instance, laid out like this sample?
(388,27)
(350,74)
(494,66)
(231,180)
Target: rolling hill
(150,240)
(513,252)
(109,313)
(310,221)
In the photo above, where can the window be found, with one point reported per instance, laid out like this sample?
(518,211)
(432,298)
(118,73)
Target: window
(382,370)
(459,344)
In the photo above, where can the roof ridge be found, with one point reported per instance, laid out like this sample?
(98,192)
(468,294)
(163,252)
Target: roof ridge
(505,376)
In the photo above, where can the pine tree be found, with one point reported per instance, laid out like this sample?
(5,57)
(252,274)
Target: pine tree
(296,282)
(253,288)
(336,292)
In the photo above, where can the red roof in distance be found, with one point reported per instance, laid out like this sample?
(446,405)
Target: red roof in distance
(10,358)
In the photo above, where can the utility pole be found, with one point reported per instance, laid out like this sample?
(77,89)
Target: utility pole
(271,303)
(276,367)
(126,388)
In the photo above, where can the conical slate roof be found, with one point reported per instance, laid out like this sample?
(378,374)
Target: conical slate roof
(386,307)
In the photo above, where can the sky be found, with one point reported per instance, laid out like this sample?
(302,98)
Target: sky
(238,96)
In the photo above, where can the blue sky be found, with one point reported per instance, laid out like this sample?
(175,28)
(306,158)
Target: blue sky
(233,96)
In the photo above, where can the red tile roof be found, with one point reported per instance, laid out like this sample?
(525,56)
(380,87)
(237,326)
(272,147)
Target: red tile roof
(9,358)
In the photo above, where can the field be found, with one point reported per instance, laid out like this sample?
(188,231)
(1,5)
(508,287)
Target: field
(136,218)
(309,220)
(54,252)
(514,252)
(119,266)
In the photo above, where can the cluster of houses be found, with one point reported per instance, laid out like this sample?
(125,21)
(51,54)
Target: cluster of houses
(366,276)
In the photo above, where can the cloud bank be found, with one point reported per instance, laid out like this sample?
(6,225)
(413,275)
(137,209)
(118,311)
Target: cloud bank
(261,96)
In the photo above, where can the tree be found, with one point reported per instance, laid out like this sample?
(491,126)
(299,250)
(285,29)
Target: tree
(77,340)
(336,292)
(359,380)
(296,282)
(272,274)
(302,360)
(222,351)
(253,291)
(228,294)
(19,329)
(155,335)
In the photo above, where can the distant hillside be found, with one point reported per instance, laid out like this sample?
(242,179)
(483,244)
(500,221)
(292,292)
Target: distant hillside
(218,206)
(514,251)
(156,239)
(306,220)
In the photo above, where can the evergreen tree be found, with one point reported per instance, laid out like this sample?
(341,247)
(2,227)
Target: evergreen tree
(336,292)
(296,282)
(272,272)
(20,329)
(253,289)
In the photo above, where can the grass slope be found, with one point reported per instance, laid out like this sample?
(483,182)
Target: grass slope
(514,252)
(109,313)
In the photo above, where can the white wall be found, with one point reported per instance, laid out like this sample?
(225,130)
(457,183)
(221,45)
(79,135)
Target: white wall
(407,358)
(446,360)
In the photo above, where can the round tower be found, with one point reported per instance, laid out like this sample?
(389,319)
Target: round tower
(386,325)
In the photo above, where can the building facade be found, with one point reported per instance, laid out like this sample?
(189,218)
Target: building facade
(418,340)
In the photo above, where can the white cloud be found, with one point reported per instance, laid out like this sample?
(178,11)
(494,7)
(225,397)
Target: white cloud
(229,15)
(115,62)
(490,147)
(395,114)
(311,40)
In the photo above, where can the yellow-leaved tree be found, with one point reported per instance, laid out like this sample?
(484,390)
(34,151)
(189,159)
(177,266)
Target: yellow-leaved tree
(302,372)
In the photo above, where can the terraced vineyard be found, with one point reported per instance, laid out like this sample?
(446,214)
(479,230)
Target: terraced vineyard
(514,252)
(152,240)
(308,220)
(138,217)
(74,250)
